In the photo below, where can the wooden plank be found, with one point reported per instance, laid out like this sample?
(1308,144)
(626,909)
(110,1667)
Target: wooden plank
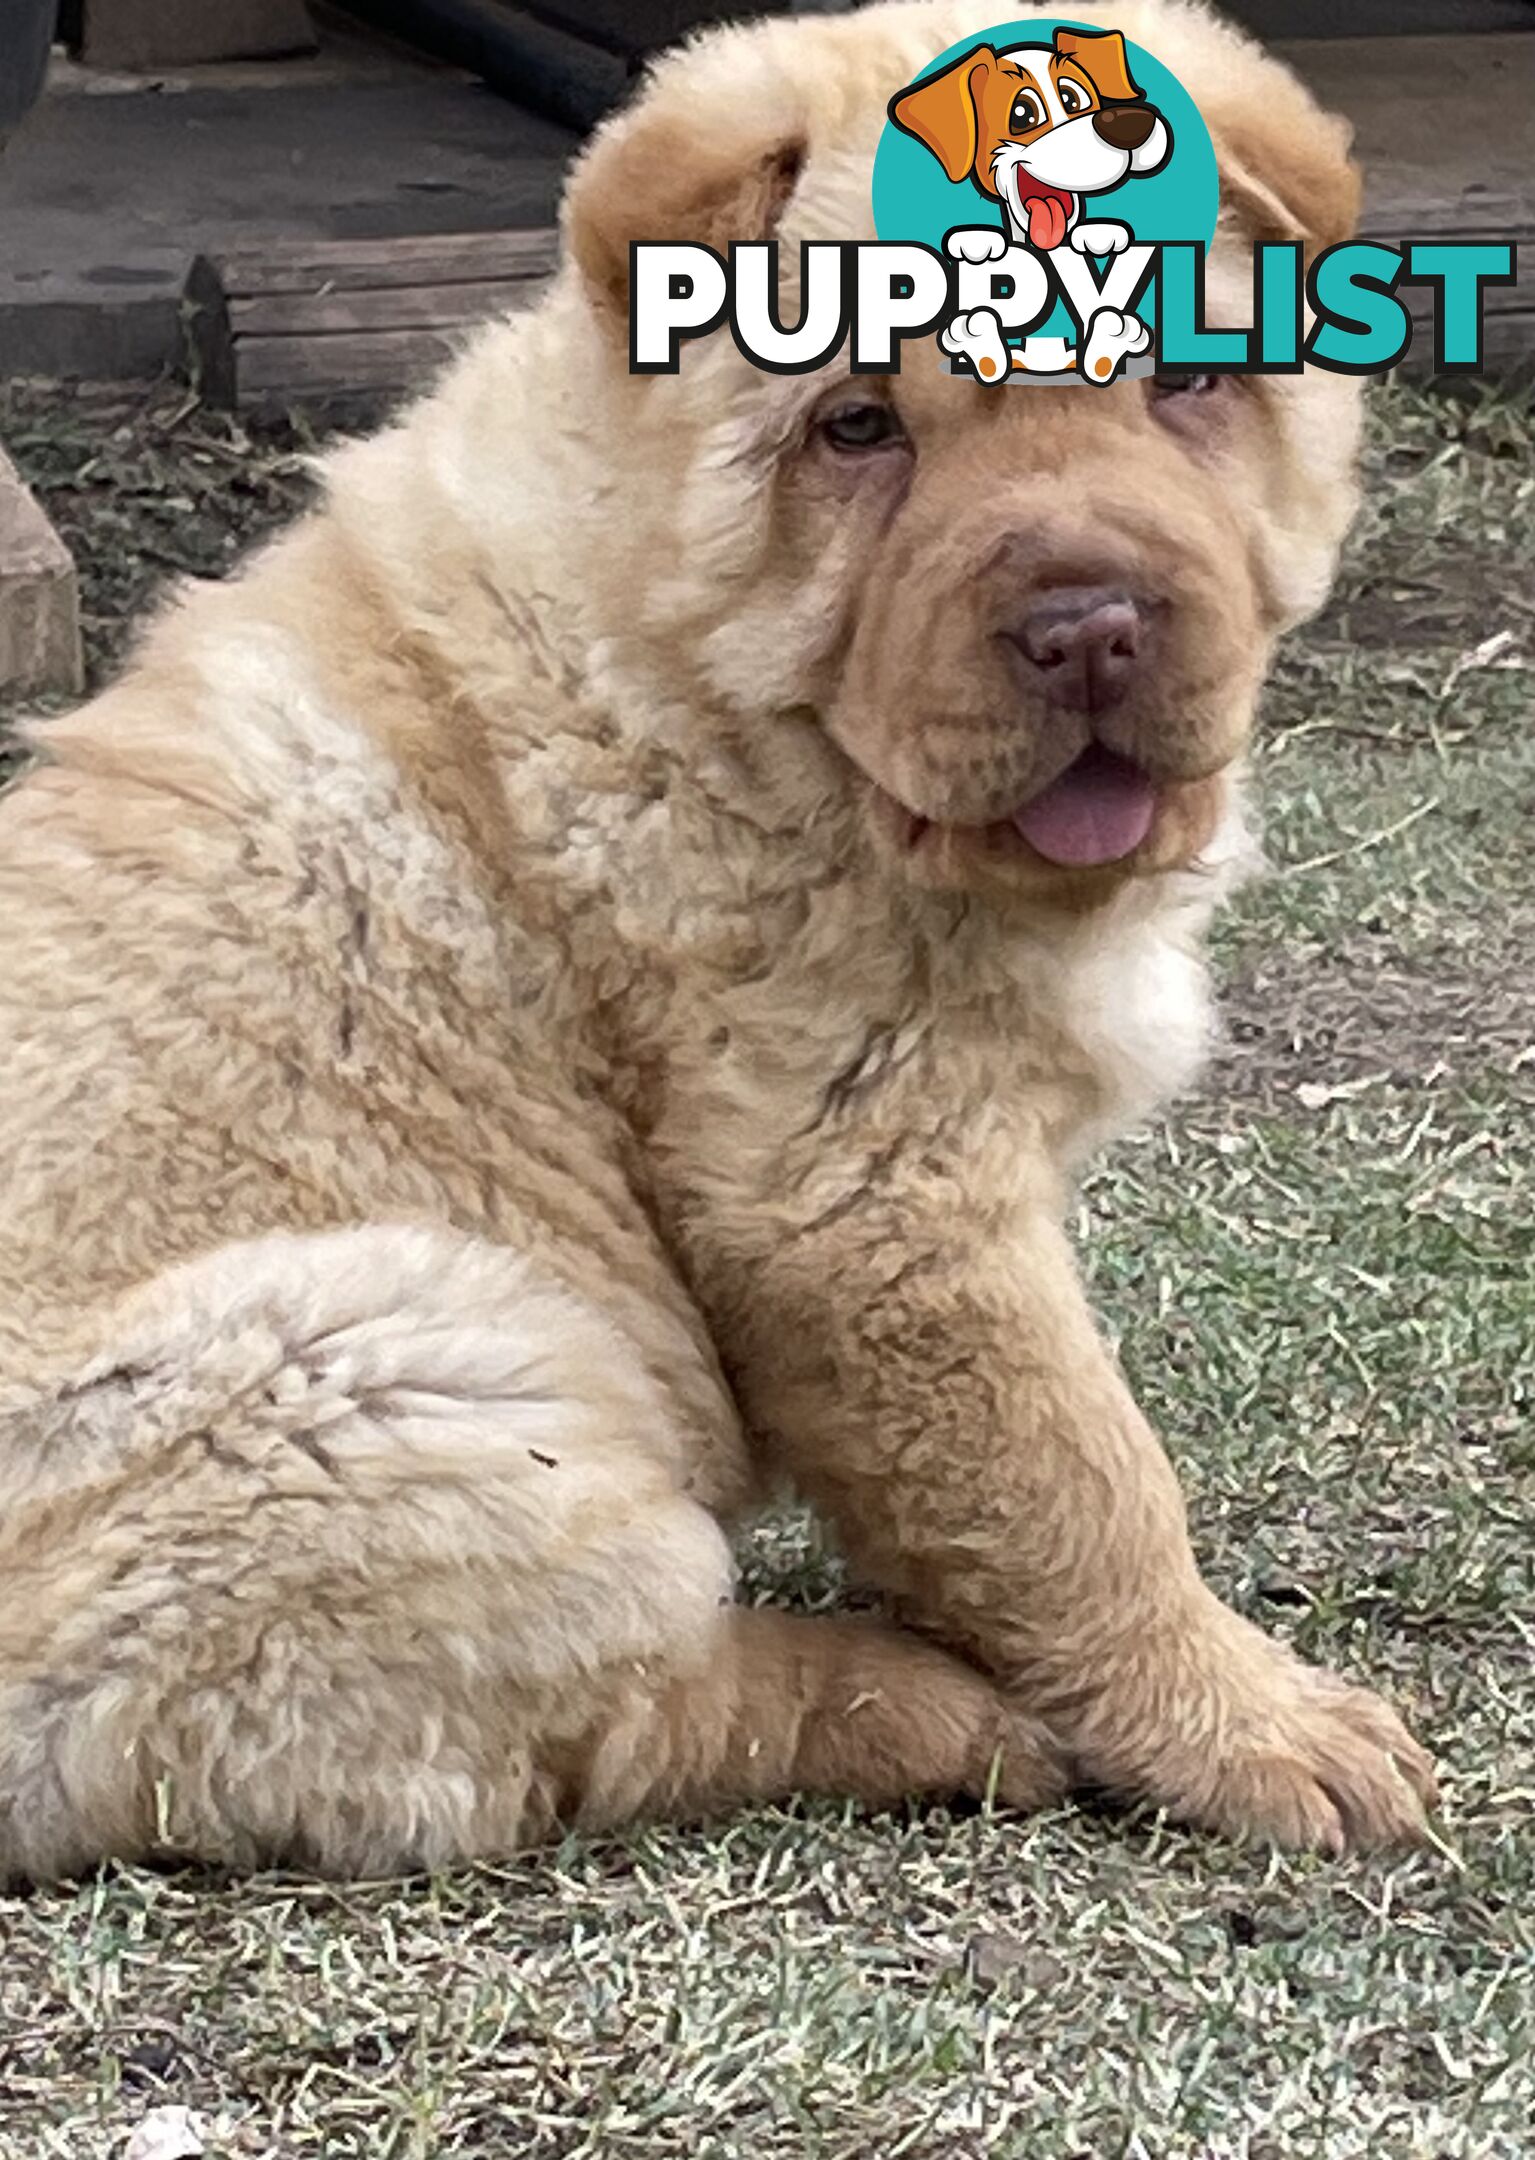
(39,598)
(296,319)
(1508,354)
(273,369)
(1399,233)
(425,307)
(210,357)
(381,265)
(1508,343)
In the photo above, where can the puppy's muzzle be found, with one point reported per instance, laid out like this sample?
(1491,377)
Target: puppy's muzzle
(1080,646)
(1124,127)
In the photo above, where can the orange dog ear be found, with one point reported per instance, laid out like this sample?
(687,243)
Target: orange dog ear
(941,112)
(1101,55)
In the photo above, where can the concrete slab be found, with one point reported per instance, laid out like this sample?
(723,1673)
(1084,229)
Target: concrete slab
(171,33)
(114,183)
(39,598)
(1276,19)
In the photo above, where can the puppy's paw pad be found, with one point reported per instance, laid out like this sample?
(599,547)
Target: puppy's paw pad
(976,244)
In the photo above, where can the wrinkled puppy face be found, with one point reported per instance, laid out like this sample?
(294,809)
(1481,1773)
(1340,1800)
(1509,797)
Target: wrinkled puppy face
(1063,617)
(1034,620)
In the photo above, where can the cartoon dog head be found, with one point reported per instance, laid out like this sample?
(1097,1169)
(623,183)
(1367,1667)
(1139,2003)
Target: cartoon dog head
(1036,127)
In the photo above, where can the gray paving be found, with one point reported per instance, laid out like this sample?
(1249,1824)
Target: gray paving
(112,184)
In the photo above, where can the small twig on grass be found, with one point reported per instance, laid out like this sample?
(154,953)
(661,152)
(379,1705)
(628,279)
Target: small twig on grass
(1490,653)
(1360,847)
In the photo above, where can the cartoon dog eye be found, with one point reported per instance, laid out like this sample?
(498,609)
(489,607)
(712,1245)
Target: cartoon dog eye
(1027,112)
(1074,99)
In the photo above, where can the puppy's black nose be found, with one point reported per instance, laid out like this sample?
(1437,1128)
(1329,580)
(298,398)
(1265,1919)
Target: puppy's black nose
(1124,126)
(1080,645)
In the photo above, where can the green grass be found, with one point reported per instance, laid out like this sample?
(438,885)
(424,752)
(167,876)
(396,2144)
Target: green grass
(1320,1275)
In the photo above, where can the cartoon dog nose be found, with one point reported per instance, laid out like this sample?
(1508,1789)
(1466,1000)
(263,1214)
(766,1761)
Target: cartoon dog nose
(1124,127)
(1081,645)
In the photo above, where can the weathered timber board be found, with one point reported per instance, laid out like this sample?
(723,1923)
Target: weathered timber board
(325,318)
(39,597)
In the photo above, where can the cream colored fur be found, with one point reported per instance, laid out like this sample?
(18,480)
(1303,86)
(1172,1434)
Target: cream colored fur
(483,1102)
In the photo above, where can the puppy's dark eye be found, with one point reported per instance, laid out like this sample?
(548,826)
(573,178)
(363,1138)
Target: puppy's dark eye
(1171,383)
(1027,112)
(1073,96)
(870,426)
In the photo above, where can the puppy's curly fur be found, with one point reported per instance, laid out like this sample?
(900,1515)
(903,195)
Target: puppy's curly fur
(492,1080)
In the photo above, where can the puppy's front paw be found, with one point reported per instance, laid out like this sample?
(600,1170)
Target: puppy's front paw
(976,243)
(1104,237)
(1228,1729)
(1324,1765)
(1255,1743)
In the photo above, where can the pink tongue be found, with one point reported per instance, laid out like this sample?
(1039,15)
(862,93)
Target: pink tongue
(1047,221)
(1096,812)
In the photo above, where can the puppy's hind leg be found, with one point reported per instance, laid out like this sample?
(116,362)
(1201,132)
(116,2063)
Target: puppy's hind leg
(331,1556)
(371,1551)
(787,1703)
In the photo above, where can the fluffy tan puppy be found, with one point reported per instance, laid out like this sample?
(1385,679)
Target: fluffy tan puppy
(536,1011)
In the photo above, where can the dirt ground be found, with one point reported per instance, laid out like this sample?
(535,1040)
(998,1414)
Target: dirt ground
(1321,1276)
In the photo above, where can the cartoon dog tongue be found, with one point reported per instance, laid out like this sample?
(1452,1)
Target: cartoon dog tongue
(1097,811)
(1047,209)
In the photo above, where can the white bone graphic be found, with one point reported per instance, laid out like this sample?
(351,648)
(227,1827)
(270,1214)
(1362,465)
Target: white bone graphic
(977,337)
(1112,338)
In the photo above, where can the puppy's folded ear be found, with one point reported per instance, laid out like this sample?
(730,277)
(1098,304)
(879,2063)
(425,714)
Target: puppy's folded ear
(1285,169)
(941,111)
(655,174)
(1101,55)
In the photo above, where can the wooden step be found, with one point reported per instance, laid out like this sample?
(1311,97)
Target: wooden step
(39,599)
(317,319)
(1508,311)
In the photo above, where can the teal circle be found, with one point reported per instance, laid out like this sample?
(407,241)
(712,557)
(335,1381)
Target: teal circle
(914,199)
